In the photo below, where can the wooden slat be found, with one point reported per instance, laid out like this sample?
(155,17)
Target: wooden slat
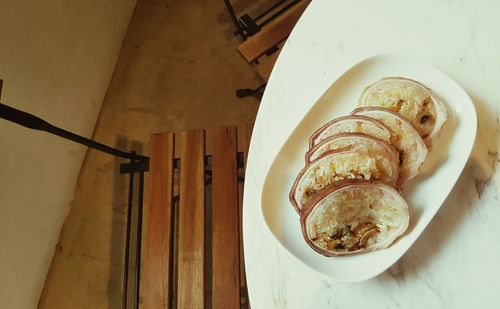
(272,34)
(191,263)
(1,86)
(266,65)
(225,220)
(157,251)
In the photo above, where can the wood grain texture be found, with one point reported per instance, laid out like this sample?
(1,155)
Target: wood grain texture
(272,34)
(157,251)
(225,220)
(191,262)
(266,65)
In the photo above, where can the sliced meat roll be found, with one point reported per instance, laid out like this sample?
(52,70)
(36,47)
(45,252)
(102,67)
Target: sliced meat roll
(360,141)
(335,165)
(354,216)
(350,124)
(414,101)
(405,138)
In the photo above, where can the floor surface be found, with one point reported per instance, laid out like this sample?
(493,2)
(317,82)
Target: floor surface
(178,70)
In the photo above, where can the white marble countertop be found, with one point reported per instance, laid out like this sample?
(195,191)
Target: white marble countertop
(456,261)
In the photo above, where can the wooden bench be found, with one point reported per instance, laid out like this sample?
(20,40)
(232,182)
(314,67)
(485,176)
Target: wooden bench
(192,249)
(276,32)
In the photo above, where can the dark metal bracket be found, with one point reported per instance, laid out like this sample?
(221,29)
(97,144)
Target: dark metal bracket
(247,26)
(143,166)
(134,167)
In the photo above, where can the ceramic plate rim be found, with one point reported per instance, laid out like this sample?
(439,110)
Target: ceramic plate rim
(471,118)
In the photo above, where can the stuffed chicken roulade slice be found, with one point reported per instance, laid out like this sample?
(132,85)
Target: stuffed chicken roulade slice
(335,165)
(354,216)
(414,101)
(361,142)
(350,124)
(411,147)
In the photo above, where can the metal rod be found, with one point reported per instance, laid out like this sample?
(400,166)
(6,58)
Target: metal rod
(269,9)
(36,123)
(127,168)
(138,241)
(127,238)
(278,13)
(234,19)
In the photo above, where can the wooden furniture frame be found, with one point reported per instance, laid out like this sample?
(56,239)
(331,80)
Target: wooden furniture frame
(192,243)
(261,50)
(191,254)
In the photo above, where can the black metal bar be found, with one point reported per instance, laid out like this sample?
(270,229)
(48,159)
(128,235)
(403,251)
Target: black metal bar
(269,9)
(248,25)
(127,237)
(278,13)
(234,19)
(36,123)
(137,167)
(138,241)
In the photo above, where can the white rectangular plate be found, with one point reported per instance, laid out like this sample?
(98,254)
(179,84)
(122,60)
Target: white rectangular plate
(424,193)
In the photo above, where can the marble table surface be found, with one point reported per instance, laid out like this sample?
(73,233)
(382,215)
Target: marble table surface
(456,261)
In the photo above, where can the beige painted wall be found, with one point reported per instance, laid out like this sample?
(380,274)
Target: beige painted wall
(56,59)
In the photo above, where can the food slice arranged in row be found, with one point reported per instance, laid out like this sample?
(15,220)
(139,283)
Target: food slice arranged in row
(411,99)
(347,193)
(361,141)
(351,124)
(353,162)
(379,123)
(350,217)
(411,147)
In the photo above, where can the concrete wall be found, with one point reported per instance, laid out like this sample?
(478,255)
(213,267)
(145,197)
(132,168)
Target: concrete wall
(56,59)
